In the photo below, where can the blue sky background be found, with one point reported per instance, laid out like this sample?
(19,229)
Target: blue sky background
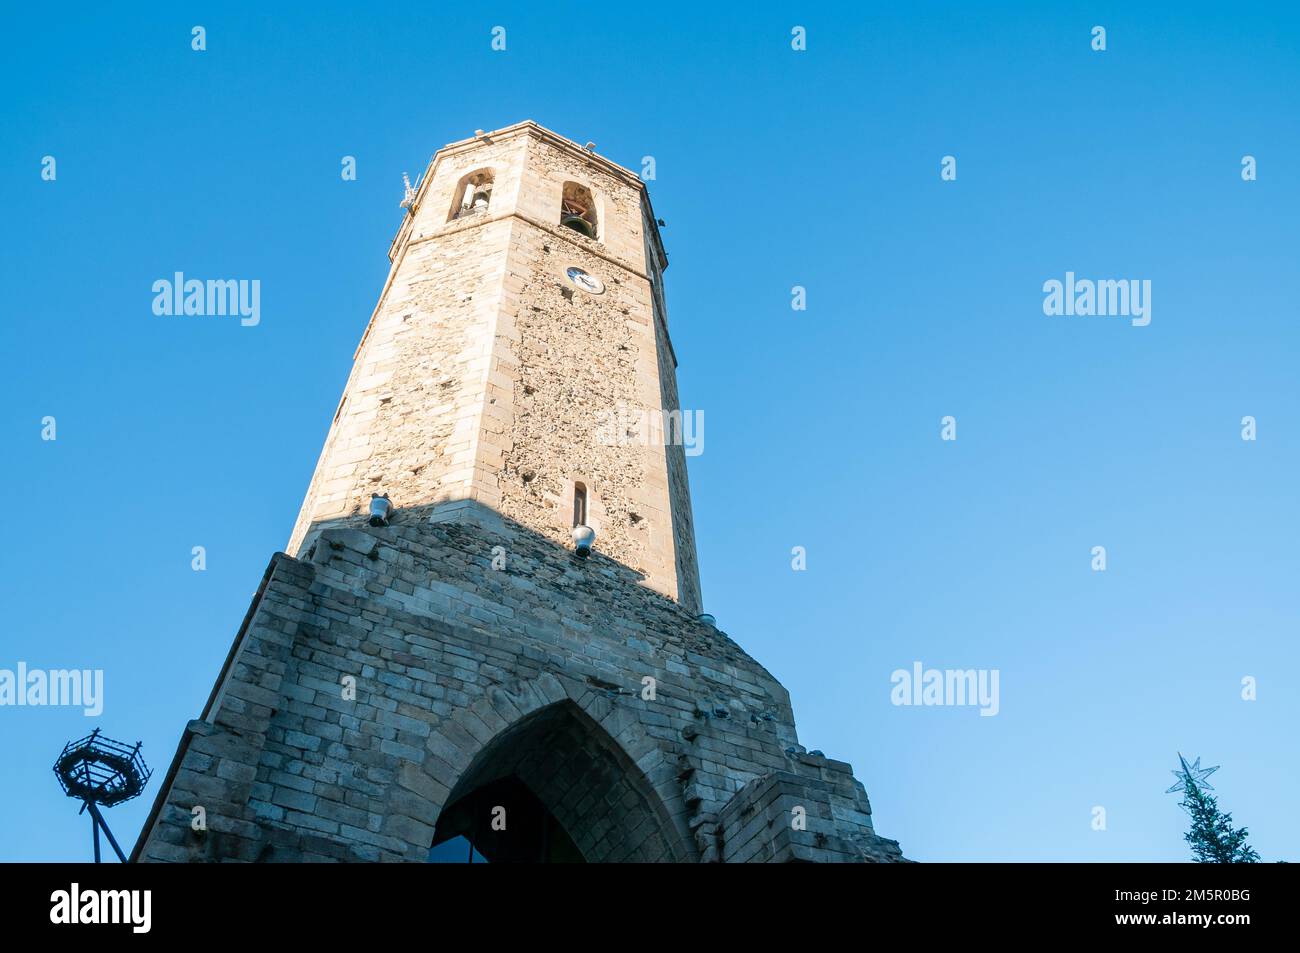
(775,169)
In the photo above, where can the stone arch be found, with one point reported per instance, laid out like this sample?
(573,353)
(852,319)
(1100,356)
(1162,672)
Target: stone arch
(473,193)
(613,787)
(580,210)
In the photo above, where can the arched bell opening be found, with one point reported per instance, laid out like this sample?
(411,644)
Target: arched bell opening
(473,194)
(578,210)
(554,787)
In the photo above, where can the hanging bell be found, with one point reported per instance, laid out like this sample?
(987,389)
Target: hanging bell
(578,224)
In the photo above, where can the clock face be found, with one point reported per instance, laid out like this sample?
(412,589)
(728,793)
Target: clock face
(588,283)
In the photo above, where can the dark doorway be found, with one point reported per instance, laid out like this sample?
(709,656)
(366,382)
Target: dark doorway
(502,823)
(569,793)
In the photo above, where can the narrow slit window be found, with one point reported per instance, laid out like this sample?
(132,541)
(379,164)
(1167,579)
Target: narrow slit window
(579,504)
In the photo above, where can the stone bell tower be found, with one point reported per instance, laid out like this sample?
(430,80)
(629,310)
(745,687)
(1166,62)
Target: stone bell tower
(440,665)
(521,325)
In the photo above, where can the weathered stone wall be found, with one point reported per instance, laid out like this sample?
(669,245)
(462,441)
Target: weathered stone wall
(408,423)
(448,654)
(679,492)
(486,375)
(818,816)
(577,362)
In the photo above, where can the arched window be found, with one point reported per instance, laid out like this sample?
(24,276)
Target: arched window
(473,194)
(579,504)
(578,210)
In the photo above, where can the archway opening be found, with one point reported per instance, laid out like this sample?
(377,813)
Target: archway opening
(502,822)
(552,788)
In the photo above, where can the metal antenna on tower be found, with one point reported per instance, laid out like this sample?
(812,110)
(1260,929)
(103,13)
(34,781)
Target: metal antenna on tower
(408,199)
(101,772)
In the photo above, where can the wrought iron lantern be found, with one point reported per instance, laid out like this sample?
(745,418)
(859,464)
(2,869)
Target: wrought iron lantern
(101,772)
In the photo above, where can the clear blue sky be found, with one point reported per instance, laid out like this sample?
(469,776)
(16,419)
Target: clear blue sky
(775,169)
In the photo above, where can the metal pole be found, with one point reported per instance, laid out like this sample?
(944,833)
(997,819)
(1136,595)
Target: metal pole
(99,820)
(94,826)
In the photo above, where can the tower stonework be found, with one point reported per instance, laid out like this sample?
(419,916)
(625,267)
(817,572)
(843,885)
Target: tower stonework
(397,686)
(488,377)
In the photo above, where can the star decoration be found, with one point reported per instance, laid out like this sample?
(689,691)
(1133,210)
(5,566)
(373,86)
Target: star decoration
(1194,773)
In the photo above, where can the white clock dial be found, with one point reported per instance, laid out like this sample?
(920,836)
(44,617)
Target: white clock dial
(588,283)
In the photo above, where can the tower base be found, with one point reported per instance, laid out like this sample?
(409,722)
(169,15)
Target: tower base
(389,688)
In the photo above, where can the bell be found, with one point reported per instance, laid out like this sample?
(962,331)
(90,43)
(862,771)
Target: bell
(578,224)
(481,199)
(583,537)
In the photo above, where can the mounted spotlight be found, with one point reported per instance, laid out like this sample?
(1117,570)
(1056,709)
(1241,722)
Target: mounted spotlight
(707,619)
(380,507)
(583,538)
